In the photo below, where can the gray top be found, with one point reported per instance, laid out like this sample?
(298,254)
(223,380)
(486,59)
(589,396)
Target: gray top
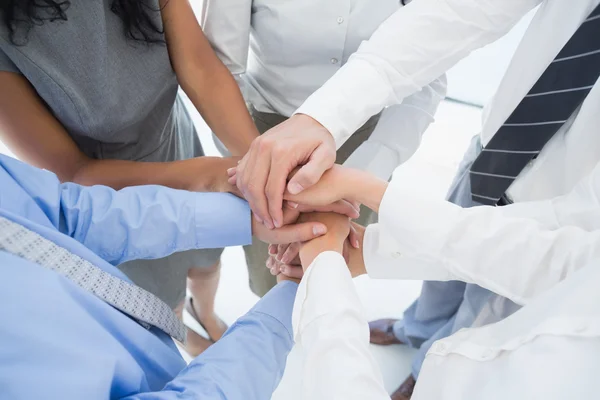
(116,97)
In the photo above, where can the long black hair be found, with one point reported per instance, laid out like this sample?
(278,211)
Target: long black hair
(20,16)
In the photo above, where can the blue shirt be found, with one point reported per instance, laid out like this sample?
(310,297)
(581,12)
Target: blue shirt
(57,341)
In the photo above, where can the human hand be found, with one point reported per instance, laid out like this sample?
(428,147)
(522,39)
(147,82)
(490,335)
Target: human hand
(287,253)
(335,185)
(262,174)
(338,229)
(218,181)
(355,258)
(292,269)
(291,231)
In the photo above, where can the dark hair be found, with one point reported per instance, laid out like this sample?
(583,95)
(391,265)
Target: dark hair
(20,16)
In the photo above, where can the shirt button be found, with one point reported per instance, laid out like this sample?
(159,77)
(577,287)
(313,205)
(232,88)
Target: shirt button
(396,254)
(340,20)
(334,60)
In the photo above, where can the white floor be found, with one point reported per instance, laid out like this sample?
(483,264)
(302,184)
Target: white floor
(431,169)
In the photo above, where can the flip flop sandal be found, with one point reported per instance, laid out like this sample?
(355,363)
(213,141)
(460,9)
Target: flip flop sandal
(189,307)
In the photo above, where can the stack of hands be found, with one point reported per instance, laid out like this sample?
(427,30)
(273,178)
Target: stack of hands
(316,220)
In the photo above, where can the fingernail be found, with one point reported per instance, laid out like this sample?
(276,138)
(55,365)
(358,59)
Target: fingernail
(356,244)
(295,188)
(230,169)
(272,251)
(268,224)
(258,219)
(277,223)
(319,230)
(239,161)
(292,204)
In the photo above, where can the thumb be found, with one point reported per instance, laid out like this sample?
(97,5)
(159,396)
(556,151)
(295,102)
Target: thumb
(298,232)
(320,161)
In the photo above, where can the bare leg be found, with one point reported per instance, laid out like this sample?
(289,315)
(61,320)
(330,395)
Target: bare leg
(203,284)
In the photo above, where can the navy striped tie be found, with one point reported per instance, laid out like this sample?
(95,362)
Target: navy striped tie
(549,104)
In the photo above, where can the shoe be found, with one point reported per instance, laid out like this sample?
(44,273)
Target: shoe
(405,391)
(382,332)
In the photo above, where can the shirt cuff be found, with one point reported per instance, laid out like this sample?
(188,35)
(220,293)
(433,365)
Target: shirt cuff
(419,224)
(374,158)
(222,220)
(278,303)
(347,100)
(331,290)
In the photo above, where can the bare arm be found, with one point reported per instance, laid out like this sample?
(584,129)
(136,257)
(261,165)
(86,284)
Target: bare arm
(204,78)
(38,138)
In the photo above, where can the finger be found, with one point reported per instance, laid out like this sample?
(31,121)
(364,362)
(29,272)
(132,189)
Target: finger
(231,171)
(340,207)
(272,249)
(256,172)
(280,168)
(293,271)
(273,266)
(232,180)
(298,232)
(281,250)
(290,216)
(290,253)
(353,237)
(320,161)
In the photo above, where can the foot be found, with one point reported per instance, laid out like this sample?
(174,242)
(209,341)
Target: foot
(382,332)
(405,391)
(213,325)
(196,344)
(210,322)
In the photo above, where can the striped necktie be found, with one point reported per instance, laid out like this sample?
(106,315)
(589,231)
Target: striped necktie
(556,95)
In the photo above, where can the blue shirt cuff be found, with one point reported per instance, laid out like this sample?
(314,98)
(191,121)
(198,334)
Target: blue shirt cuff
(279,303)
(222,220)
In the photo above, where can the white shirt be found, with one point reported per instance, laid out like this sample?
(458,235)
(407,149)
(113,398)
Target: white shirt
(544,255)
(282,51)
(427,37)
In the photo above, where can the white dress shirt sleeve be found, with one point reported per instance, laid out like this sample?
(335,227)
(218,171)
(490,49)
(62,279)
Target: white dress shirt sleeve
(332,332)
(226,25)
(417,44)
(399,131)
(517,251)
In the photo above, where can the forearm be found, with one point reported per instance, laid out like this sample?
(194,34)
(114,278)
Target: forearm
(217,96)
(204,78)
(365,188)
(202,174)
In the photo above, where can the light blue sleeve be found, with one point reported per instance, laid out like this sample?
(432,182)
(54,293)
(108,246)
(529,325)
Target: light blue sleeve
(151,221)
(139,222)
(247,363)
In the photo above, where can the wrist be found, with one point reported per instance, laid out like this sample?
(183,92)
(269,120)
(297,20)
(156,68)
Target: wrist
(327,242)
(365,189)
